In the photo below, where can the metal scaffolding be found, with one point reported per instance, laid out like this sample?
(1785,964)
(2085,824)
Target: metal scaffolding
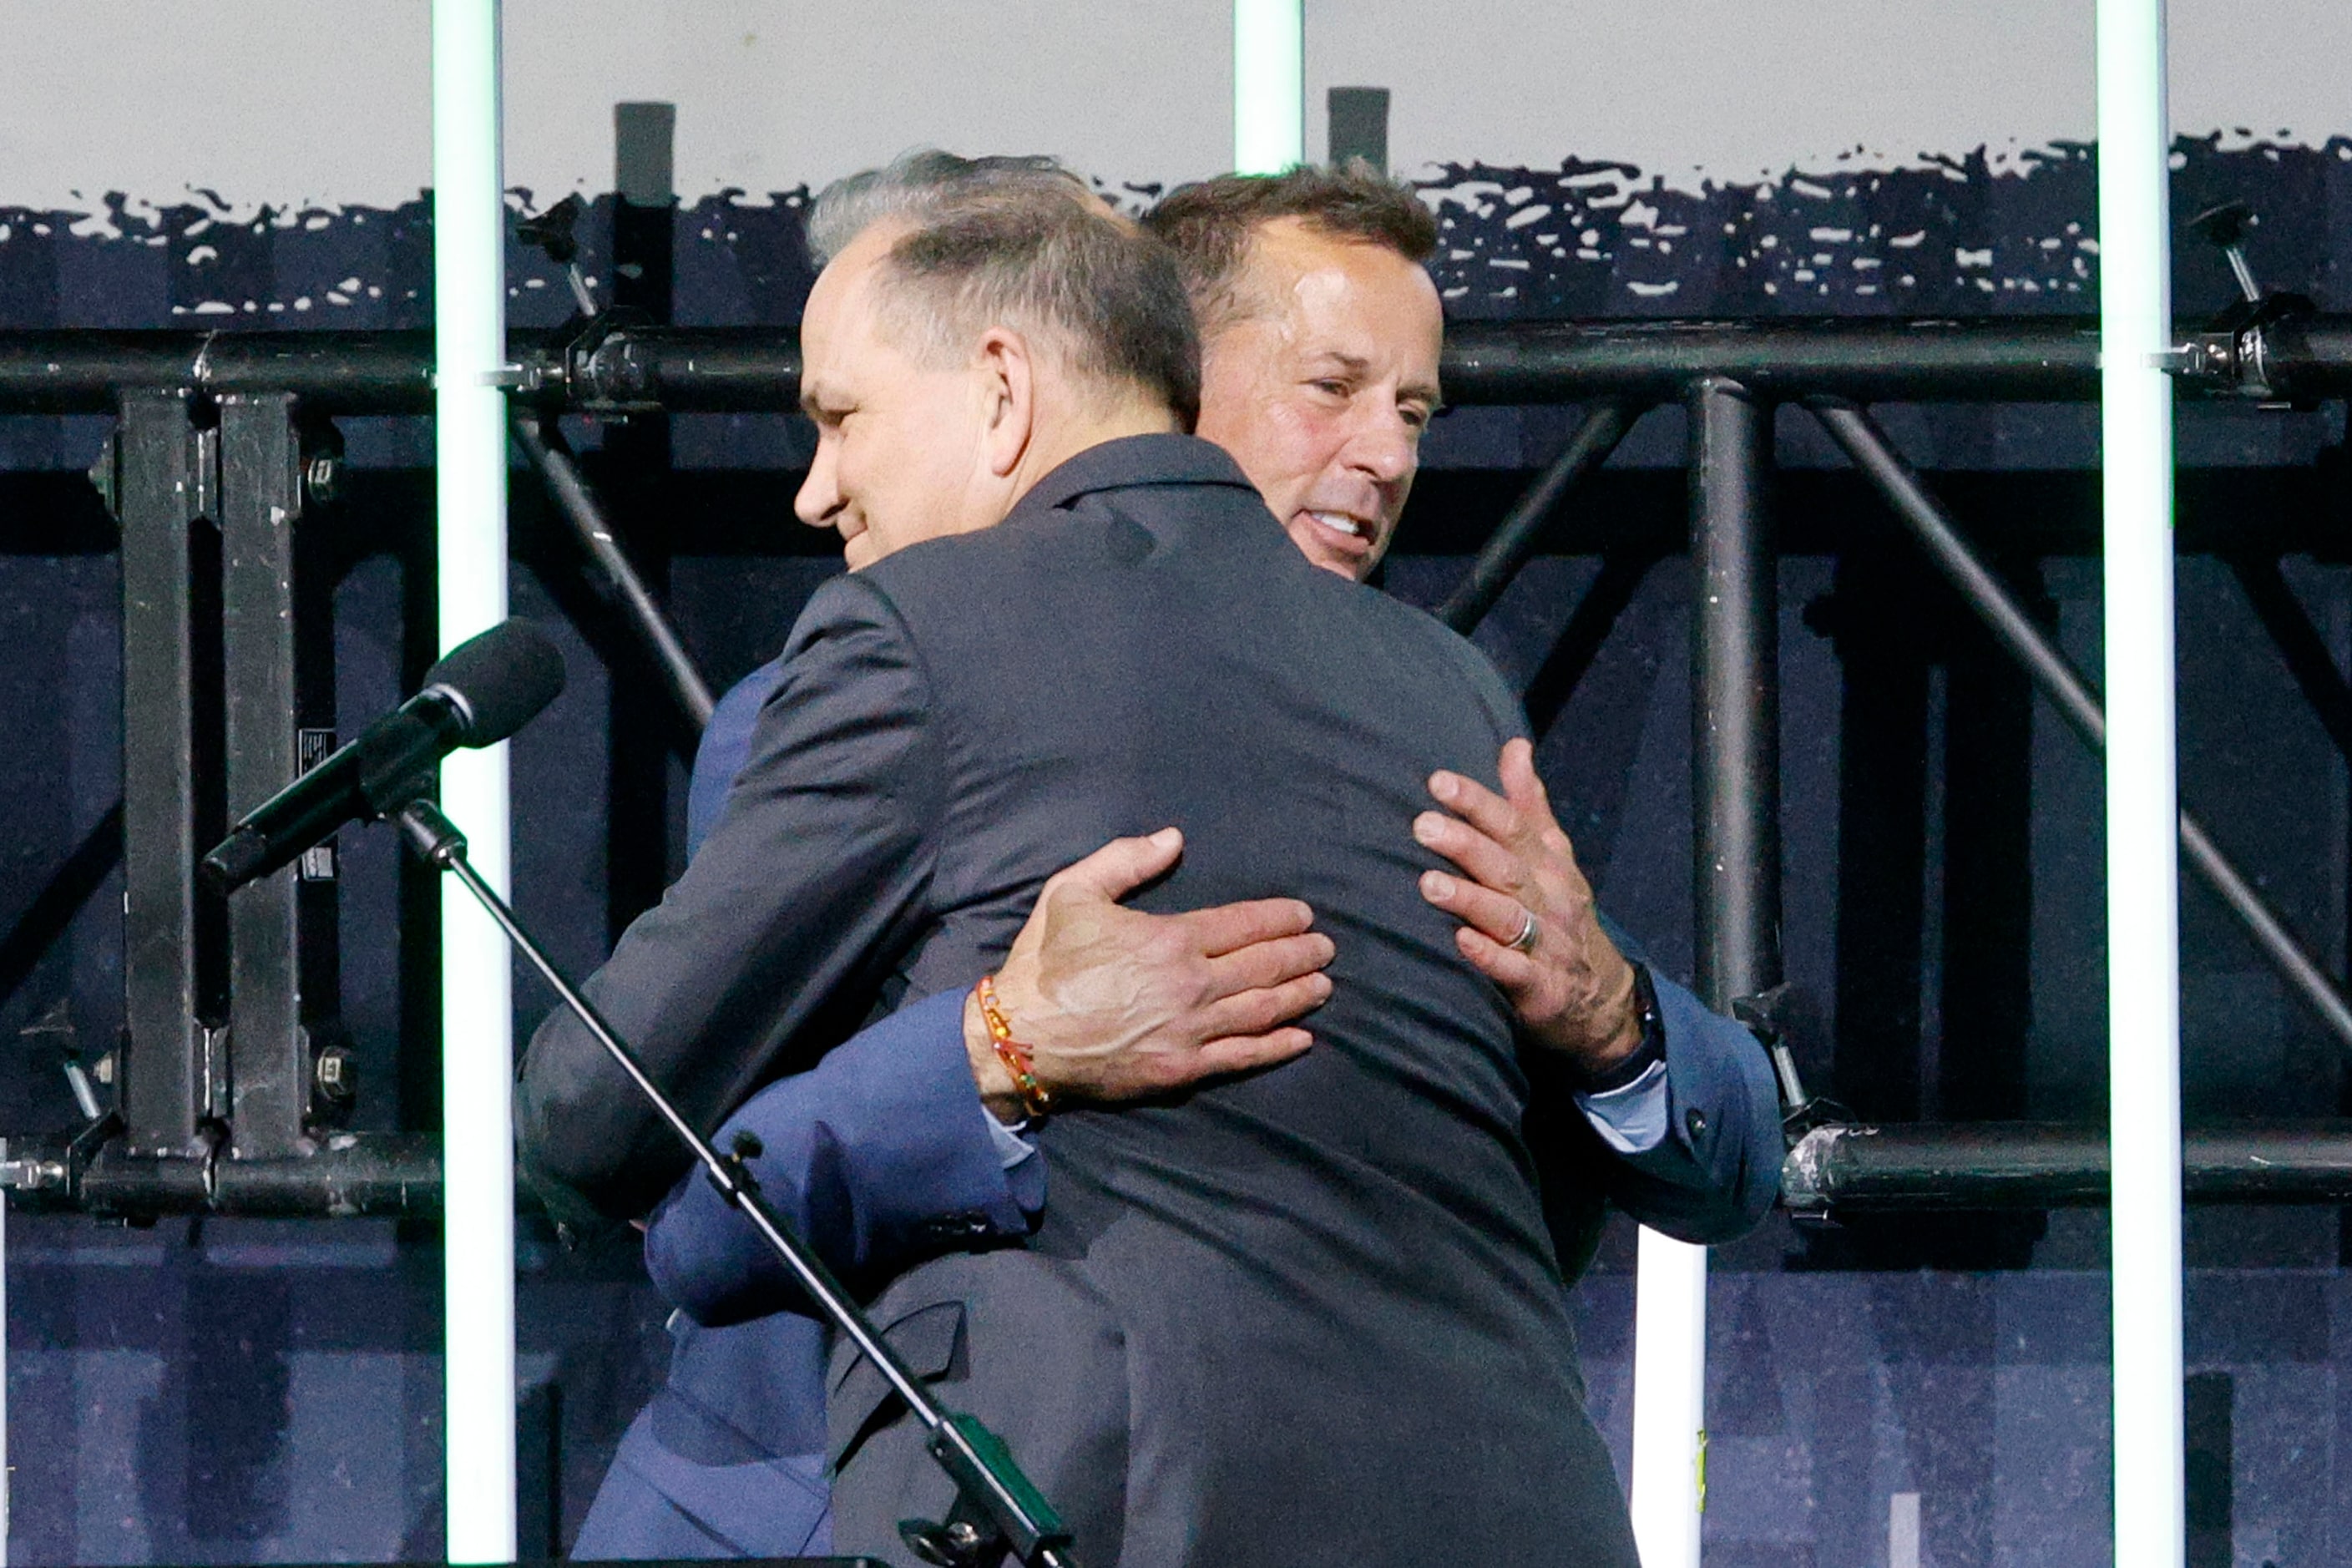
(223,431)
(230,428)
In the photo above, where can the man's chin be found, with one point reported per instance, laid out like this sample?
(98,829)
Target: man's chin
(1334,551)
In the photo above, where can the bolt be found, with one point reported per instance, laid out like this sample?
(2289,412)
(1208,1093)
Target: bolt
(338,1075)
(102,472)
(320,473)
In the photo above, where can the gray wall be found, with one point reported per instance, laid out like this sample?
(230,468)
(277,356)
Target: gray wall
(292,102)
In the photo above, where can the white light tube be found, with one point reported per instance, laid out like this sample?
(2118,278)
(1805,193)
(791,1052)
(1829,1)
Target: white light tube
(477,1007)
(2143,812)
(1270,85)
(6,1471)
(1669,1480)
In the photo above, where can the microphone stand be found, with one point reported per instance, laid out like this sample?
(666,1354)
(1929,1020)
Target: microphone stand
(997,1508)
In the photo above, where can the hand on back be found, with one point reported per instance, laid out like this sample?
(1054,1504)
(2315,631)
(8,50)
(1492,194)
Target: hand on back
(1572,989)
(1112,1003)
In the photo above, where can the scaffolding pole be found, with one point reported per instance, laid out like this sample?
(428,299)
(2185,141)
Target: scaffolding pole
(1736,900)
(2143,858)
(477,1006)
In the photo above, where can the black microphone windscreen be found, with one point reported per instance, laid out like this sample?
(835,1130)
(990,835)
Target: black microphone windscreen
(500,679)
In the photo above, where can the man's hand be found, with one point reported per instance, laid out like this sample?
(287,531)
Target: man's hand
(1572,989)
(1114,1003)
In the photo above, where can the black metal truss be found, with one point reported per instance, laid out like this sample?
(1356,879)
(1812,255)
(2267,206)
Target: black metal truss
(608,365)
(225,1101)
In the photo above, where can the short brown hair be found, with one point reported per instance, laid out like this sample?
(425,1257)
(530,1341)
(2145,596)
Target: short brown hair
(1024,242)
(1210,224)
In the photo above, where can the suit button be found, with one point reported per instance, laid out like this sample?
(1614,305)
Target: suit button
(1696,1121)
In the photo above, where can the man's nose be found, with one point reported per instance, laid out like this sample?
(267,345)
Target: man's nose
(1386,448)
(819,497)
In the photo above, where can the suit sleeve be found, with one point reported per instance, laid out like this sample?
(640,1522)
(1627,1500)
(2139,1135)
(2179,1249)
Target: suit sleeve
(775,941)
(1717,1170)
(878,1156)
(726,747)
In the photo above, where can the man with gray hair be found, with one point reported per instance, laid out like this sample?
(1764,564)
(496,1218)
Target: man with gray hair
(933,250)
(1306,1314)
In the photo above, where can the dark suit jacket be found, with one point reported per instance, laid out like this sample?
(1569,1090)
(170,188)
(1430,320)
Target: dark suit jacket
(881,1155)
(1711,1180)
(1309,1316)
(877,1157)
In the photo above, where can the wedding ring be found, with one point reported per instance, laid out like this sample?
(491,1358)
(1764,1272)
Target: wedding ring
(1526,940)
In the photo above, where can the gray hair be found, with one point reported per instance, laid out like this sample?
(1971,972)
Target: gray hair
(920,186)
(1020,242)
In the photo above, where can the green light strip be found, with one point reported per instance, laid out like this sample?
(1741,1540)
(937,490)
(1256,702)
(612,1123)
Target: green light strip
(1269,85)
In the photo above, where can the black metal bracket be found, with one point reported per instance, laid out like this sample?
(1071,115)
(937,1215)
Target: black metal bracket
(604,362)
(1764,1015)
(219,1101)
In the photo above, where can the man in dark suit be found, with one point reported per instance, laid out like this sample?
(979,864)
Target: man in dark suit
(1401,1169)
(883,1153)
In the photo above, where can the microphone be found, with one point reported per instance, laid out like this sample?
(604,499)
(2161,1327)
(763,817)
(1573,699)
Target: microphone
(481,691)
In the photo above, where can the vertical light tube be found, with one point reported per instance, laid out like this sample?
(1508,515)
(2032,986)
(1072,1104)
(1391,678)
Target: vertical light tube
(2143,813)
(1269,85)
(1669,1400)
(477,1008)
(5,1489)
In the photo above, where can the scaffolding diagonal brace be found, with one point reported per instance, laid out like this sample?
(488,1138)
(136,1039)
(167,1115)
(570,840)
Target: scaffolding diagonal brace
(1867,447)
(1515,539)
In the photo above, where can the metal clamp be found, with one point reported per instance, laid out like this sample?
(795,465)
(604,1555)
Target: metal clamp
(31,1176)
(1765,1014)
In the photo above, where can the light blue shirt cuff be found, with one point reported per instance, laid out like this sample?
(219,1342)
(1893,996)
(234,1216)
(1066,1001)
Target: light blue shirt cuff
(1632,1119)
(1012,1148)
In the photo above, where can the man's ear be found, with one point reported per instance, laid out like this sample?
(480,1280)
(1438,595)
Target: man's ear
(1008,388)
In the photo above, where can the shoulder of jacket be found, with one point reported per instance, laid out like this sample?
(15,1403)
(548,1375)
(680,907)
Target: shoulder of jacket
(1465,657)
(845,602)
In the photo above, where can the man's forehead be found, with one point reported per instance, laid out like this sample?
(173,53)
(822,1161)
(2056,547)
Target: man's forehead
(836,329)
(846,284)
(1295,241)
(1360,302)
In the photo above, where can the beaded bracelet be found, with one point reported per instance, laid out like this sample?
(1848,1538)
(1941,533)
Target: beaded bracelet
(1035,1099)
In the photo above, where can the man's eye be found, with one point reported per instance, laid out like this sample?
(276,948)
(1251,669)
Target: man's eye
(1330,387)
(1414,418)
